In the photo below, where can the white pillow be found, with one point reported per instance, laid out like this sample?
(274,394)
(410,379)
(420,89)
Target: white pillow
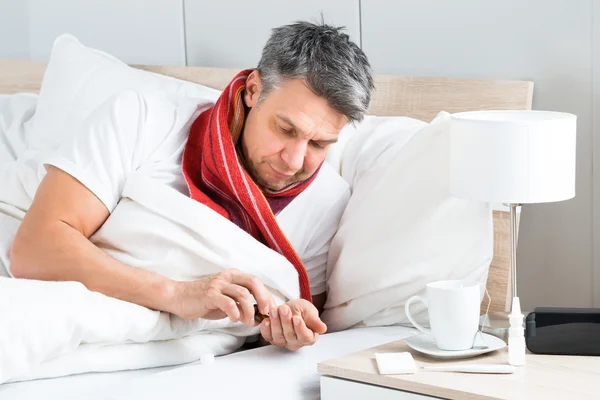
(367,141)
(78,79)
(401,229)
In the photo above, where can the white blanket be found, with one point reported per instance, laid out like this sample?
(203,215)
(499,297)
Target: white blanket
(60,328)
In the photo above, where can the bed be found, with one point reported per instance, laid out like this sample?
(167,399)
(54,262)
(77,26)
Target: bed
(268,372)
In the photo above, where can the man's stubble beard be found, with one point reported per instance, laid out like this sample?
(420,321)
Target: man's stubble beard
(253,171)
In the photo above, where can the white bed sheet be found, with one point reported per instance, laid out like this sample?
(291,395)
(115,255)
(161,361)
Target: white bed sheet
(81,386)
(262,373)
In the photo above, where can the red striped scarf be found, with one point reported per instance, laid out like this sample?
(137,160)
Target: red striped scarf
(216,177)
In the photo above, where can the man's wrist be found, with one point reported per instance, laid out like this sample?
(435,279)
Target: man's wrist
(167,294)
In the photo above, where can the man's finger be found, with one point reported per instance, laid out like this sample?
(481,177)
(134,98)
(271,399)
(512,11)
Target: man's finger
(263,297)
(265,330)
(244,300)
(276,329)
(293,347)
(305,335)
(228,305)
(313,322)
(285,314)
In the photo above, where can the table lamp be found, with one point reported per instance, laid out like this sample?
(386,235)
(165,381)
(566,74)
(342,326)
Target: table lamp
(514,158)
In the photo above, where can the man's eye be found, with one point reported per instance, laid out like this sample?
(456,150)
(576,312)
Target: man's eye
(317,145)
(286,131)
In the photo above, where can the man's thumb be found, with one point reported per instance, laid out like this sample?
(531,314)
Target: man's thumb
(314,323)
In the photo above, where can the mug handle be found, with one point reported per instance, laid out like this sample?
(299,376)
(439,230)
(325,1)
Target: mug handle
(410,318)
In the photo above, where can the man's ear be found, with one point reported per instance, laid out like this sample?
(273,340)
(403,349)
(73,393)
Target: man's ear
(253,89)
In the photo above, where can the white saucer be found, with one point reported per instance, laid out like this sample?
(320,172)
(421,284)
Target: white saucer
(424,343)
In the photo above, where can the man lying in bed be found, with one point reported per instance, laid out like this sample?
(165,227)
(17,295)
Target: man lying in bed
(277,121)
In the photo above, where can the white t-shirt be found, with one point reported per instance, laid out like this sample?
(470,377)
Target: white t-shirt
(146,133)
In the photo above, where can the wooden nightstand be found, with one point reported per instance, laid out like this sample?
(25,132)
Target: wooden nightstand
(355,376)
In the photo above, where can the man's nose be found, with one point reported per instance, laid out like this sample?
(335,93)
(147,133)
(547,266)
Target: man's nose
(293,155)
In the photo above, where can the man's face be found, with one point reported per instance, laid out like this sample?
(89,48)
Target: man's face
(286,137)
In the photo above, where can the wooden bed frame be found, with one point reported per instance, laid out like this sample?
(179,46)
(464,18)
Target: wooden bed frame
(416,97)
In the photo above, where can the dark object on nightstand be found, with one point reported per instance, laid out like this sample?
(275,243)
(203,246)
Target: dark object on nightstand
(563,331)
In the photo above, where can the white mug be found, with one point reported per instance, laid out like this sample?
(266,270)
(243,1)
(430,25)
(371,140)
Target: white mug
(453,308)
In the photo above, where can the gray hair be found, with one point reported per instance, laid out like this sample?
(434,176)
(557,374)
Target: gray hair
(334,67)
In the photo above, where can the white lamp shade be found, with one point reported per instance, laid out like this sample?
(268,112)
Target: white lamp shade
(513,156)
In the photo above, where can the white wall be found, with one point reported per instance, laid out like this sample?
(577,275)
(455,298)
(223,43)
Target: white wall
(554,43)
(547,42)
(230,33)
(14,29)
(596,149)
(136,31)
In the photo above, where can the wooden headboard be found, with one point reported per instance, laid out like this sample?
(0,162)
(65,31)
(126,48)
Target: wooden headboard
(416,97)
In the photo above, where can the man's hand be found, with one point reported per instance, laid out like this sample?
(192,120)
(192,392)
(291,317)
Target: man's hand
(293,325)
(230,293)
